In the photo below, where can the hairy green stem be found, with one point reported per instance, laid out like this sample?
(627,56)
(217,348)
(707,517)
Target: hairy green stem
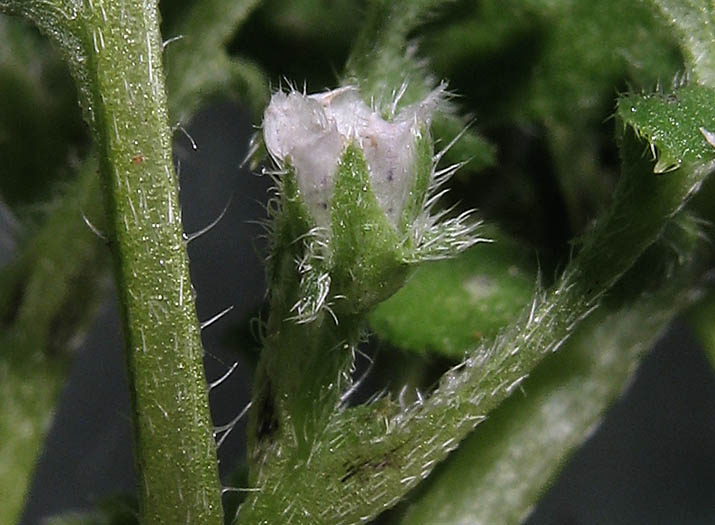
(529,437)
(303,371)
(304,367)
(175,447)
(114,50)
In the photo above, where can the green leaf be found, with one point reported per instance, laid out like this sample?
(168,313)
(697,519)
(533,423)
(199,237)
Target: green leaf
(679,125)
(27,397)
(694,22)
(47,292)
(561,57)
(591,46)
(448,307)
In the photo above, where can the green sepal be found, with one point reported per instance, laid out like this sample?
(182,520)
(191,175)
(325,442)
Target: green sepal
(423,165)
(366,250)
(291,221)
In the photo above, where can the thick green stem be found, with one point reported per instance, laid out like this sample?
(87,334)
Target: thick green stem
(175,447)
(114,50)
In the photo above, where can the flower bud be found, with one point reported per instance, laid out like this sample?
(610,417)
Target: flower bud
(311,134)
(364,186)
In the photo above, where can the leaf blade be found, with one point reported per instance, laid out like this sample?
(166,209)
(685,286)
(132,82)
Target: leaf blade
(448,306)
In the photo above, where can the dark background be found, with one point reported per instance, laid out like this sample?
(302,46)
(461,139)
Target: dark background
(652,461)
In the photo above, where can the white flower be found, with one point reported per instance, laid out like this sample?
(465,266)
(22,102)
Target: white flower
(311,132)
(369,182)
